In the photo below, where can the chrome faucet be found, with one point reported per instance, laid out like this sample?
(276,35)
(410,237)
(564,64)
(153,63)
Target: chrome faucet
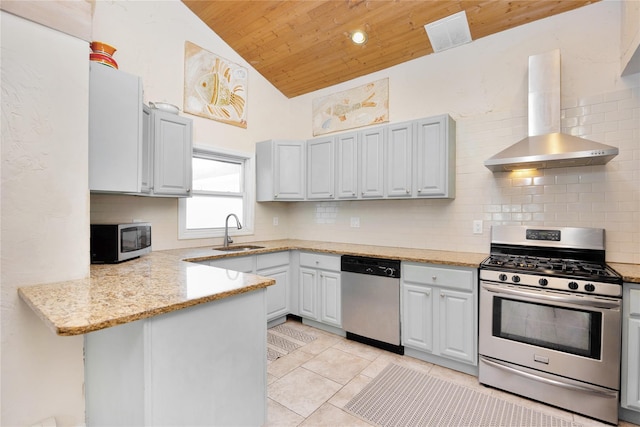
(227,239)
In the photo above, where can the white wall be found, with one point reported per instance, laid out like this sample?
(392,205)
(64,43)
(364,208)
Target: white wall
(483,86)
(45,215)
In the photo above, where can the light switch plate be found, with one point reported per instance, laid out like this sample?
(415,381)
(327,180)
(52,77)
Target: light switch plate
(275,220)
(477,226)
(355,221)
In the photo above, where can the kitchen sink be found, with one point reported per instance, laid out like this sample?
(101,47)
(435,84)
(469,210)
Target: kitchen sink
(237,248)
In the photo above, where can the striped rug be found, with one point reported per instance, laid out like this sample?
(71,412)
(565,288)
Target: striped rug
(283,339)
(400,396)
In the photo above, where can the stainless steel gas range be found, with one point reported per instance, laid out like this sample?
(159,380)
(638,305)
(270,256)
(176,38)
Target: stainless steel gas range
(550,318)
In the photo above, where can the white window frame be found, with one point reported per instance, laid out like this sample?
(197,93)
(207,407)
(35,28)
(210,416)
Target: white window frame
(249,197)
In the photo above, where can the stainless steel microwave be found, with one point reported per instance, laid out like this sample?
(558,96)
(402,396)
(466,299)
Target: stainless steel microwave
(113,243)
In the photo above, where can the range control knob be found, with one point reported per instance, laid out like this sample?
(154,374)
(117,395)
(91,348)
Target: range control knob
(390,271)
(543,282)
(502,277)
(515,279)
(573,285)
(589,287)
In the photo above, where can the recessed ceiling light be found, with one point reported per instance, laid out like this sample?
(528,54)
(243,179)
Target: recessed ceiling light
(359,37)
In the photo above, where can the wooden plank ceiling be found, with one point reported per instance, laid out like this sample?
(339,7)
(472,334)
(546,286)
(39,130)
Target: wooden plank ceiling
(304,45)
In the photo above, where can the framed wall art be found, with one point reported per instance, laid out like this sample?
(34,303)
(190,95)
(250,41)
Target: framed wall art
(214,87)
(365,105)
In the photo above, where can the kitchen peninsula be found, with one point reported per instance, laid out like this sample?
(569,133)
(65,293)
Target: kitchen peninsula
(167,342)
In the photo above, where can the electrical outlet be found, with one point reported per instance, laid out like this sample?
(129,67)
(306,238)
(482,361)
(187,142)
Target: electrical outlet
(275,220)
(355,221)
(477,226)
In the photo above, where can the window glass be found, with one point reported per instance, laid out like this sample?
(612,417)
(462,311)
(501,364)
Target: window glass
(216,175)
(219,189)
(211,212)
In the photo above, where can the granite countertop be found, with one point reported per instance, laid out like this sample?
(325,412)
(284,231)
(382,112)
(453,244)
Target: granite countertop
(462,259)
(166,281)
(115,294)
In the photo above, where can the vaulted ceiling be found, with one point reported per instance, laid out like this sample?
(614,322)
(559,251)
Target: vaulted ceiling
(304,45)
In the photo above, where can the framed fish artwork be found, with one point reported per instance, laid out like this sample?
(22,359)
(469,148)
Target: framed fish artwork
(214,87)
(365,105)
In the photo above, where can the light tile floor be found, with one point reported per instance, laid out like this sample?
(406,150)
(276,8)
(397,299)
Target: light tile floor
(310,386)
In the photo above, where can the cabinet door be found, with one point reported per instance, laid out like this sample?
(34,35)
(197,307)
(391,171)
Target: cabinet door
(115,130)
(417,322)
(347,167)
(289,176)
(147,151)
(371,164)
(173,148)
(330,298)
(320,168)
(435,157)
(632,400)
(278,294)
(308,293)
(399,159)
(455,325)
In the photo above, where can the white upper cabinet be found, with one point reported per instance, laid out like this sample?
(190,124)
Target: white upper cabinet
(134,149)
(147,151)
(435,157)
(371,164)
(280,170)
(320,168)
(399,160)
(172,153)
(115,130)
(404,160)
(347,166)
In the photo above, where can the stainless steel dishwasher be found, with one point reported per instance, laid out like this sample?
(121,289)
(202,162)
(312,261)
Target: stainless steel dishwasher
(371,301)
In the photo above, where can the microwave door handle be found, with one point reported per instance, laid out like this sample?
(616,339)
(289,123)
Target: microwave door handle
(498,365)
(567,299)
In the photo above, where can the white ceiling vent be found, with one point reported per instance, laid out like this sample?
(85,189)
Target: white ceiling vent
(449,32)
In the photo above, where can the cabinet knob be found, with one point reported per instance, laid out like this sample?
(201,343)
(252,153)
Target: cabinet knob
(354,193)
(419,190)
(441,295)
(188,190)
(408,191)
(275,196)
(434,278)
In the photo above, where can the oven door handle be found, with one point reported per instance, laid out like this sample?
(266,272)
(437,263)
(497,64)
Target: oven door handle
(567,299)
(573,387)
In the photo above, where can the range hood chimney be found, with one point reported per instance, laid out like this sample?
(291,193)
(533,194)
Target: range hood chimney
(546,147)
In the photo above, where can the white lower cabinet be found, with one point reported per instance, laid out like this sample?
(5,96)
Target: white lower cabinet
(274,265)
(439,315)
(319,288)
(630,372)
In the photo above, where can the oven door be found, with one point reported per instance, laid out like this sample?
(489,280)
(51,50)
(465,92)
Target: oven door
(572,335)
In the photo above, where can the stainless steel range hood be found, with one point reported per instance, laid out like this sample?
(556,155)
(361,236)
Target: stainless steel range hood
(546,147)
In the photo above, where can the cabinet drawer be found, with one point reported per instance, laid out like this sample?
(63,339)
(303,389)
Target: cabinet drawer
(634,302)
(438,276)
(272,260)
(325,262)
